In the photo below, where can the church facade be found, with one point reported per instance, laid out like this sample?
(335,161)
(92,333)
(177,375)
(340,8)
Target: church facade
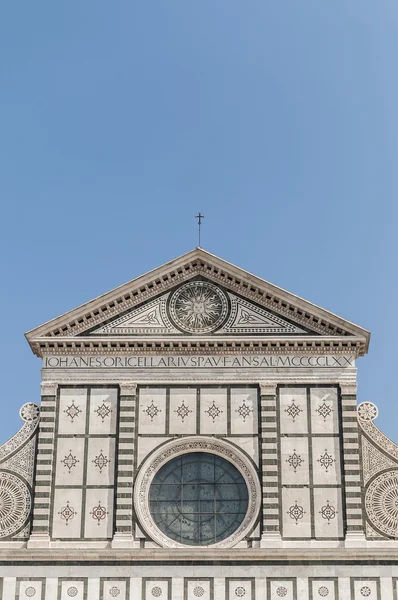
(198,436)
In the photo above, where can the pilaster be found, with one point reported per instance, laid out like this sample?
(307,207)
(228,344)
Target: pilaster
(269,467)
(42,494)
(123,536)
(352,467)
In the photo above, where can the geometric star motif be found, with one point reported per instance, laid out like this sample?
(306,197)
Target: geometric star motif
(67,513)
(323,591)
(326,460)
(152,410)
(213,411)
(296,512)
(101,461)
(328,512)
(114,591)
(324,410)
(365,591)
(70,461)
(295,460)
(244,410)
(99,513)
(103,411)
(72,411)
(183,411)
(293,410)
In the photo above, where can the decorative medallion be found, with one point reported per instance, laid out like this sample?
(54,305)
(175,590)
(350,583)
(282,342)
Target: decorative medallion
(296,512)
(381,503)
(244,411)
(281,591)
(114,591)
(183,411)
(69,461)
(15,503)
(198,591)
(214,411)
(29,412)
(72,411)
(240,591)
(198,307)
(99,513)
(295,460)
(67,513)
(103,411)
(328,512)
(156,591)
(30,592)
(367,411)
(324,410)
(101,461)
(152,410)
(365,591)
(323,591)
(293,410)
(326,461)
(72,591)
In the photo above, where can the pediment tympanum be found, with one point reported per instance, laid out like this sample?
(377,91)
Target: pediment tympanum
(199,307)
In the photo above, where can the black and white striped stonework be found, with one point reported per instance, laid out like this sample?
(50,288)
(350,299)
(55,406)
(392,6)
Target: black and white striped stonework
(269,462)
(125,461)
(352,467)
(44,467)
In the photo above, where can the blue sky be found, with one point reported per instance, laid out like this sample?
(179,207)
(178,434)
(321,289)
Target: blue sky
(120,120)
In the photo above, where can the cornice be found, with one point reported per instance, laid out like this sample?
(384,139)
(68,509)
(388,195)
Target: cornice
(348,346)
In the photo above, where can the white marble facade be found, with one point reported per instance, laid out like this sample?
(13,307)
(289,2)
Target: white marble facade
(198,359)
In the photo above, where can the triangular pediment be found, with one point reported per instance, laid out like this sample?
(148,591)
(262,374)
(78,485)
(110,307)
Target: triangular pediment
(202,296)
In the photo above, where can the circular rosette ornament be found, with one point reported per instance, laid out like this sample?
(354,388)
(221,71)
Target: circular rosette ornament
(381,503)
(29,412)
(367,411)
(198,307)
(15,503)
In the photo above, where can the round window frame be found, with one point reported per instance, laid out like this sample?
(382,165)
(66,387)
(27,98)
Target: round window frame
(170,450)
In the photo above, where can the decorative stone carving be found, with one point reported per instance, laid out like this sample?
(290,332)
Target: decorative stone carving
(373,460)
(29,412)
(367,411)
(381,503)
(15,504)
(196,444)
(198,307)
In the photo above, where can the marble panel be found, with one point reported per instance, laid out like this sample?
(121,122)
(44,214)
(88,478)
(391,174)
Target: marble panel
(244,410)
(98,513)
(76,589)
(328,512)
(113,588)
(100,461)
(324,410)
(183,418)
(157,588)
(103,411)
(197,588)
(69,463)
(240,588)
(296,513)
(293,410)
(326,460)
(213,411)
(324,588)
(29,588)
(248,445)
(67,513)
(72,411)
(152,411)
(146,445)
(281,588)
(294,460)
(365,588)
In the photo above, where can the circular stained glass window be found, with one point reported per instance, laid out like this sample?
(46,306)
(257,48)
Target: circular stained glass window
(198,499)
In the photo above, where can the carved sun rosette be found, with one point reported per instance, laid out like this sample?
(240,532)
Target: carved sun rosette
(367,411)
(15,504)
(177,447)
(198,307)
(381,503)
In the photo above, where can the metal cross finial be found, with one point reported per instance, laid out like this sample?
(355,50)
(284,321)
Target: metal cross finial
(199,216)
